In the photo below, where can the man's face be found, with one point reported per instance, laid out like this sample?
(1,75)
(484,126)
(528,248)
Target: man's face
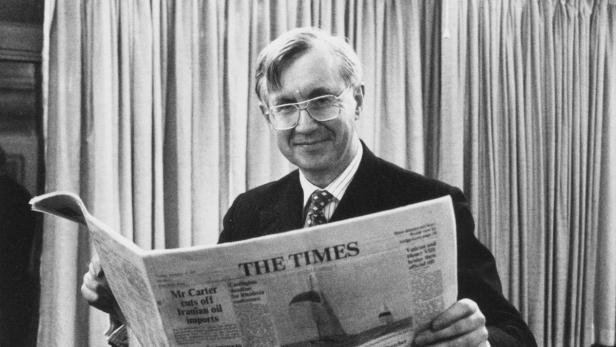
(317,148)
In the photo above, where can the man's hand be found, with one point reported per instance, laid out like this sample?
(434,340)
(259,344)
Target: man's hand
(96,290)
(462,324)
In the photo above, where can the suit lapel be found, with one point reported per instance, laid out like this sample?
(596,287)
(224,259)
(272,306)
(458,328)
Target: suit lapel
(362,195)
(286,213)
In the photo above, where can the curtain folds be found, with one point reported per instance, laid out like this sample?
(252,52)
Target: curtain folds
(534,93)
(151,117)
(605,291)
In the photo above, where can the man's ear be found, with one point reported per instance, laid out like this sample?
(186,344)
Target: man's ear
(264,111)
(358,95)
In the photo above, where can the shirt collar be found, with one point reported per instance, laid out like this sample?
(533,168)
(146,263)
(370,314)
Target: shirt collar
(338,186)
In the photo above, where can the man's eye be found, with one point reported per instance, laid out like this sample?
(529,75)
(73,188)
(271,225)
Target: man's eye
(285,109)
(322,102)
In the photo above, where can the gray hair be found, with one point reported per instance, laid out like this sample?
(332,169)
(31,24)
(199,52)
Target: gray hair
(279,53)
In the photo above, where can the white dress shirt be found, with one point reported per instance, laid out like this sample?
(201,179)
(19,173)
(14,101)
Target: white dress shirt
(337,187)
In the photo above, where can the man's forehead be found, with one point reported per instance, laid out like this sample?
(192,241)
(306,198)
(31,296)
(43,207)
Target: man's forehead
(312,73)
(304,92)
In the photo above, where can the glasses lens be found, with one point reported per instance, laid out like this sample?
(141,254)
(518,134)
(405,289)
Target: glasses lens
(284,116)
(324,108)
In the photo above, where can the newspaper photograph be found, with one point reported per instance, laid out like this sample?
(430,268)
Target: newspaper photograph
(367,281)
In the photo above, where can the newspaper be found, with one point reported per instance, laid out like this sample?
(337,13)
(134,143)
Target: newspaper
(367,281)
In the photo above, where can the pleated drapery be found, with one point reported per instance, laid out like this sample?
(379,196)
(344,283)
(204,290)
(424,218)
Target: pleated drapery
(605,277)
(534,82)
(151,117)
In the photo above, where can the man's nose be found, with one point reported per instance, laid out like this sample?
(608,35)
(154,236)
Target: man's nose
(305,123)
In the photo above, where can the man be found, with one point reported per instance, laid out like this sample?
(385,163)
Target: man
(310,91)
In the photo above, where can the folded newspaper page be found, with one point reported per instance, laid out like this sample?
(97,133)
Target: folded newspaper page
(367,281)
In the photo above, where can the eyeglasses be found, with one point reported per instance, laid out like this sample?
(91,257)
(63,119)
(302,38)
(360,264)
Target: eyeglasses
(321,109)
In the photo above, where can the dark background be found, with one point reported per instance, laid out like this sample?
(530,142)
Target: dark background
(21,33)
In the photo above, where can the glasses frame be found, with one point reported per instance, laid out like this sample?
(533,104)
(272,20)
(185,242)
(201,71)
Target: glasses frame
(303,105)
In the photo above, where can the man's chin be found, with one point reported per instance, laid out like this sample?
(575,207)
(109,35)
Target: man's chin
(313,148)
(314,163)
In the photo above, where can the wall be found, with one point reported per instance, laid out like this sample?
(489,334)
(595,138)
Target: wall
(20,90)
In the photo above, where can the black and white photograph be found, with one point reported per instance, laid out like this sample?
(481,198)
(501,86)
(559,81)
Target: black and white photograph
(370,173)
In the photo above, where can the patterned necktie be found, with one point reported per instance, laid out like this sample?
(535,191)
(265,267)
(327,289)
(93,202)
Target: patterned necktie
(318,200)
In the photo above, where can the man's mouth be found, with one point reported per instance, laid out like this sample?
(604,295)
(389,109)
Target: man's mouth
(310,142)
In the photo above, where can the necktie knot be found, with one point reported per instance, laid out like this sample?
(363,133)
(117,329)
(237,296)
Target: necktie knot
(317,202)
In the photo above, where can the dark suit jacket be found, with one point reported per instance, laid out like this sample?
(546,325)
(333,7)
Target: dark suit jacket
(379,185)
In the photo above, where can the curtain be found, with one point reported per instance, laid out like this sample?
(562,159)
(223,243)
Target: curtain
(151,117)
(535,85)
(534,82)
(605,291)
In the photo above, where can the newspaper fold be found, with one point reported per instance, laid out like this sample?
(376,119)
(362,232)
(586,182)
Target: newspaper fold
(366,281)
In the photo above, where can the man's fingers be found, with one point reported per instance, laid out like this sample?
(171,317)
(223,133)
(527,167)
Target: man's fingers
(95,300)
(477,337)
(95,269)
(94,287)
(462,324)
(88,293)
(462,308)
(460,328)
(95,290)
(97,284)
